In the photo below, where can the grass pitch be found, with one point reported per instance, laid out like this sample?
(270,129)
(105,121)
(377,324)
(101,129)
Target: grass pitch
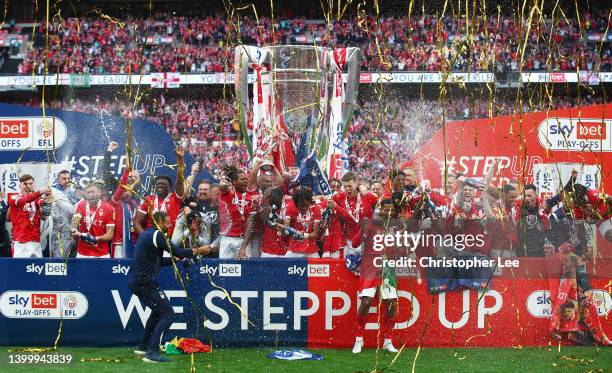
(429,360)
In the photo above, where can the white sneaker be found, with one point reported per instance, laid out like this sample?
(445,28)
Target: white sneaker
(388,346)
(358,345)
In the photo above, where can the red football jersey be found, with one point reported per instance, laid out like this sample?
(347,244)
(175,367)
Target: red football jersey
(234,208)
(333,237)
(100,217)
(303,223)
(352,210)
(152,203)
(25,216)
(272,242)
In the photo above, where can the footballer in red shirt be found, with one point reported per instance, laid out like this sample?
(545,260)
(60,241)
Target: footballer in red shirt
(96,224)
(267,218)
(25,210)
(164,199)
(331,233)
(235,205)
(303,217)
(353,206)
(371,278)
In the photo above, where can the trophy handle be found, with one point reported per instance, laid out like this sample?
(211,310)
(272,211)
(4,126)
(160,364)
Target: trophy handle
(241,86)
(353,63)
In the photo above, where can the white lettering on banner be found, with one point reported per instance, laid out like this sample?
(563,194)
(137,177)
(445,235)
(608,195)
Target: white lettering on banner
(51,269)
(177,309)
(268,310)
(126,312)
(208,270)
(121,269)
(478,166)
(230,270)
(33,268)
(465,314)
(311,270)
(336,304)
(298,312)
(216,309)
(330,312)
(483,310)
(244,296)
(87,167)
(416,309)
(56,269)
(144,312)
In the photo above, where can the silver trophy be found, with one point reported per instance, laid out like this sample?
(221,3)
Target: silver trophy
(300,105)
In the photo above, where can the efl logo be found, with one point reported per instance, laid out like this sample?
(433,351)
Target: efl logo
(591,130)
(602,301)
(44,300)
(14,129)
(230,270)
(538,304)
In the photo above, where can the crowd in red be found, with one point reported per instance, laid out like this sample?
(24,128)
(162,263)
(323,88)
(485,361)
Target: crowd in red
(419,43)
(208,130)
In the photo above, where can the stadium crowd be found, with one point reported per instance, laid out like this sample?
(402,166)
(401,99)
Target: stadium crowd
(207,130)
(169,43)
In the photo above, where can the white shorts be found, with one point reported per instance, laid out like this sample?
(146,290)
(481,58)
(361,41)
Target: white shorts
(118,251)
(335,255)
(386,292)
(291,254)
(349,250)
(27,250)
(229,247)
(79,255)
(266,255)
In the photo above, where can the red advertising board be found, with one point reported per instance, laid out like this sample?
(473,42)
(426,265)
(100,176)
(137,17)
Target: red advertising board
(578,135)
(514,312)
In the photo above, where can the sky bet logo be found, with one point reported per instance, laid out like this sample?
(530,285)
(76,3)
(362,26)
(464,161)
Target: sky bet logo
(224,269)
(38,300)
(539,304)
(311,270)
(121,269)
(51,269)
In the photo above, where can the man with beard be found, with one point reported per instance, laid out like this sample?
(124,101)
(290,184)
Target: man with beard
(532,223)
(148,258)
(96,224)
(353,206)
(58,226)
(26,215)
(373,277)
(164,199)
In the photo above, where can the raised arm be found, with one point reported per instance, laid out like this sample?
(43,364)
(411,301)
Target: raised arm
(253,174)
(180,173)
(105,173)
(195,169)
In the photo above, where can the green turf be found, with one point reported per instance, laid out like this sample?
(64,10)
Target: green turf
(430,360)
